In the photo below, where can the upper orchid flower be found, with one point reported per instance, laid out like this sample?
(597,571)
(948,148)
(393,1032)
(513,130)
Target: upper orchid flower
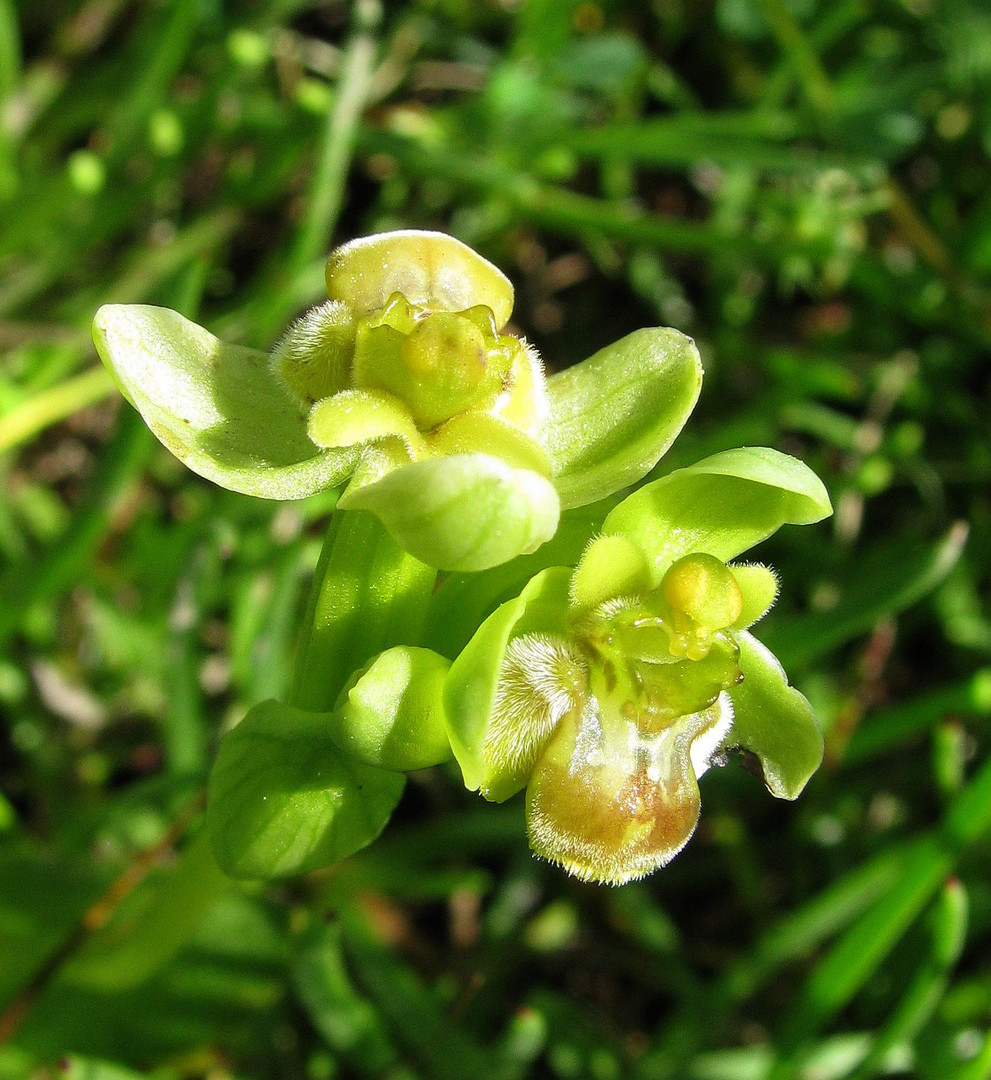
(405,386)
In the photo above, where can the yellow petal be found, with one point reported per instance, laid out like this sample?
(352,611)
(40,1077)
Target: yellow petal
(359,416)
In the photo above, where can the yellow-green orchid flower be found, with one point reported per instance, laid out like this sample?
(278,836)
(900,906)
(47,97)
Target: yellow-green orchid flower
(405,390)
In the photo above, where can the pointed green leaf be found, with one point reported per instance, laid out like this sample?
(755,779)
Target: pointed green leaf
(159,920)
(722,505)
(392,713)
(613,416)
(774,721)
(283,799)
(900,575)
(466,512)
(471,685)
(219,408)
(428,268)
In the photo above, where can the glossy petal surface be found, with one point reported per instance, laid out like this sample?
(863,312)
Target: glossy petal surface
(614,415)
(774,721)
(217,407)
(466,512)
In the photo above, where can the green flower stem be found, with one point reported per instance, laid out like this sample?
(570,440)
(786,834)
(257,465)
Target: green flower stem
(367,596)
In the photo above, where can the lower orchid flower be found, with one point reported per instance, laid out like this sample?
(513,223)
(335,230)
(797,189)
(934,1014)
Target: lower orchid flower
(607,690)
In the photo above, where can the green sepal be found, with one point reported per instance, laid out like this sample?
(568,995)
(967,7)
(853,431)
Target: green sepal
(610,566)
(283,799)
(759,589)
(614,415)
(722,505)
(219,408)
(427,268)
(470,690)
(774,721)
(465,512)
(391,715)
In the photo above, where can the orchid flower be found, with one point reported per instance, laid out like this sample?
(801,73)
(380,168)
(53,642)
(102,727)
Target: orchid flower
(405,390)
(607,690)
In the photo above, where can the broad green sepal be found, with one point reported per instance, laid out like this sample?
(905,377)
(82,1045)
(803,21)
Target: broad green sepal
(610,566)
(392,713)
(470,691)
(613,416)
(283,799)
(425,267)
(722,505)
(219,408)
(774,721)
(466,512)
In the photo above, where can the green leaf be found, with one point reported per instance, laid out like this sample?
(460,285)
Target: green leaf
(283,799)
(471,684)
(774,721)
(343,1016)
(152,925)
(613,416)
(219,408)
(466,512)
(392,713)
(428,268)
(900,575)
(722,505)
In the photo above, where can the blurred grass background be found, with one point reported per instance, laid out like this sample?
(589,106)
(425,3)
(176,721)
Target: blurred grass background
(802,185)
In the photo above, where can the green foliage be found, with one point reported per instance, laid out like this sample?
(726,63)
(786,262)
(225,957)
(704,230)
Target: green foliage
(284,800)
(800,187)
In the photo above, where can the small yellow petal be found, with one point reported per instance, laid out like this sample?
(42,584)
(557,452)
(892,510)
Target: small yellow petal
(359,416)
